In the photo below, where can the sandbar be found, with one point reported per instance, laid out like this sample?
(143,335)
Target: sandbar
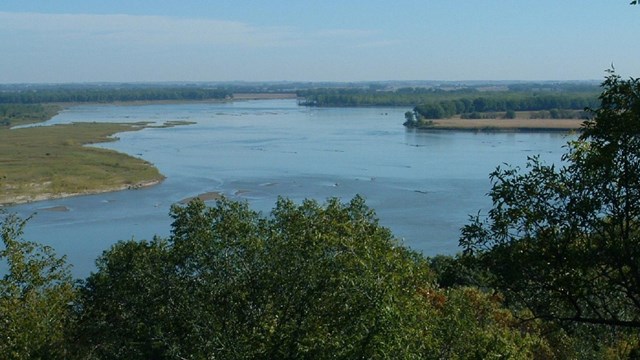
(208,196)
(506,124)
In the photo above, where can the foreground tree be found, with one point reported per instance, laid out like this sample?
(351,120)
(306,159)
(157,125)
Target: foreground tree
(565,242)
(36,292)
(310,281)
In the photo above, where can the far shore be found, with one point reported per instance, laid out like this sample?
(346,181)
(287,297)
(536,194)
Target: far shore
(263,96)
(540,125)
(236,97)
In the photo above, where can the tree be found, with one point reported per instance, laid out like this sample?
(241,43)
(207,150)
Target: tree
(123,311)
(565,242)
(510,114)
(308,281)
(35,297)
(311,281)
(410,119)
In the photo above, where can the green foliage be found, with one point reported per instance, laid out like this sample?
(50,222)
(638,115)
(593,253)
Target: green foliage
(45,161)
(469,324)
(477,106)
(413,119)
(517,97)
(430,104)
(20,114)
(123,312)
(510,114)
(35,297)
(458,271)
(309,281)
(565,242)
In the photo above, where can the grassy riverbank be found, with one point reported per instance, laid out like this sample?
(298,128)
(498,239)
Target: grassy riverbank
(525,125)
(522,121)
(40,163)
(23,114)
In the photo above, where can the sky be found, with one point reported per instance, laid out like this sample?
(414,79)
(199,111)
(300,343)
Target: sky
(76,41)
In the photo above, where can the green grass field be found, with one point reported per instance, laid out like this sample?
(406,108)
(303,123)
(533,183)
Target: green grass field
(38,163)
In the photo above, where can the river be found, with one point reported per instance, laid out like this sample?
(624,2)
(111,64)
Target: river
(423,185)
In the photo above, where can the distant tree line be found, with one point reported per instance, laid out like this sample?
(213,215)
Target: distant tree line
(51,95)
(556,104)
(547,101)
(371,97)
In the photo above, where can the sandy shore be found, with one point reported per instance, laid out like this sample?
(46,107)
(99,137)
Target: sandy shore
(507,124)
(51,196)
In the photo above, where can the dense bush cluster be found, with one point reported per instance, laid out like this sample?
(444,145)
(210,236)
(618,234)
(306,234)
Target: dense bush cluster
(309,281)
(16,114)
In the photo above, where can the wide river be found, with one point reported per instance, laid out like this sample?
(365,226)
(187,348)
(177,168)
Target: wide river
(423,185)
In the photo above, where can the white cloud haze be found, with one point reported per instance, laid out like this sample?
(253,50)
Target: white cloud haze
(355,40)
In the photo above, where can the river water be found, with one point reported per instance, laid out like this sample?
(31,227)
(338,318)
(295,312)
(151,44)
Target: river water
(423,185)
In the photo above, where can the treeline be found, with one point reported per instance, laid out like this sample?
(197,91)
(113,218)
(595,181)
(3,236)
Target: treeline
(446,102)
(371,97)
(470,103)
(554,104)
(308,281)
(106,95)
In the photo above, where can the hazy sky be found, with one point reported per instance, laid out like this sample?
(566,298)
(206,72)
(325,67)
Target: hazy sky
(328,40)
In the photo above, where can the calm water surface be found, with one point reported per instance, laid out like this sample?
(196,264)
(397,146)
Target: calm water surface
(423,185)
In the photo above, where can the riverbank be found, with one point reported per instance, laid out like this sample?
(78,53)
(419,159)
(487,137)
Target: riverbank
(47,162)
(263,96)
(44,163)
(514,125)
(33,197)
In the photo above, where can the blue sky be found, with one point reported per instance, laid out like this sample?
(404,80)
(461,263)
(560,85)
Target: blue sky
(347,40)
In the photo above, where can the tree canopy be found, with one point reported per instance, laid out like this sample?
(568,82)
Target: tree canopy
(564,242)
(310,281)
(36,295)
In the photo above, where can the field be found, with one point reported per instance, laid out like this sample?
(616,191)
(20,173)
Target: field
(38,163)
(507,124)
(523,121)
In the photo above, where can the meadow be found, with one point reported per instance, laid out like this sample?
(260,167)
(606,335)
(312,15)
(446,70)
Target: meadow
(43,162)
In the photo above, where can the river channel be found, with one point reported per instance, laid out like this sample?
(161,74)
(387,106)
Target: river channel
(423,185)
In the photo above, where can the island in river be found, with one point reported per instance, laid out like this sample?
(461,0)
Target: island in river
(506,124)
